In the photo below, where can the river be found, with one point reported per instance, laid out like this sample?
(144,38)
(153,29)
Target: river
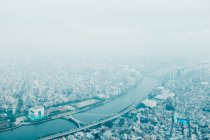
(120,103)
(32,132)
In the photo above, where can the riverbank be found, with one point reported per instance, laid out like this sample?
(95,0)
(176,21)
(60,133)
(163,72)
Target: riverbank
(98,104)
(91,115)
(93,124)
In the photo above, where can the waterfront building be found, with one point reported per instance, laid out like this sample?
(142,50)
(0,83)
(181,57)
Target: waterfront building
(149,103)
(164,96)
(36,113)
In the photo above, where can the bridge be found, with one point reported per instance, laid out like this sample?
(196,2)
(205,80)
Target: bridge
(78,122)
(128,109)
(66,133)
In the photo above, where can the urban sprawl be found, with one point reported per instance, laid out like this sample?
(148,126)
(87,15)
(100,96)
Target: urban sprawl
(179,108)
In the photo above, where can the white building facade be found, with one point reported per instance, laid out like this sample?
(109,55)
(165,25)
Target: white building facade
(37,111)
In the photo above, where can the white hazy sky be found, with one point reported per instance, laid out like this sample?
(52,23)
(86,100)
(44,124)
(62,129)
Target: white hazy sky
(84,27)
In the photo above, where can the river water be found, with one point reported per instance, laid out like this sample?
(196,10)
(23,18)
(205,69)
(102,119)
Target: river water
(135,94)
(32,132)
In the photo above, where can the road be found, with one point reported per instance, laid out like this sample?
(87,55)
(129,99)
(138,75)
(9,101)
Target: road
(156,75)
(92,124)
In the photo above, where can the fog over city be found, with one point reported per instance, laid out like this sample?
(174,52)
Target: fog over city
(112,69)
(178,28)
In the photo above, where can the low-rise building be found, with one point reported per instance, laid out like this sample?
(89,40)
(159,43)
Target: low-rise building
(36,113)
(149,103)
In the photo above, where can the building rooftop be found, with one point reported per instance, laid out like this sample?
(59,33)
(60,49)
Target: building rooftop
(150,103)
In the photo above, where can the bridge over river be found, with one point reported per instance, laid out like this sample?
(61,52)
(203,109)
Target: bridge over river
(89,125)
(71,118)
(93,117)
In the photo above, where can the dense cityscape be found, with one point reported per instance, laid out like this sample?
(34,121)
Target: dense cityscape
(58,88)
(179,110)
(62,83)
(104,70)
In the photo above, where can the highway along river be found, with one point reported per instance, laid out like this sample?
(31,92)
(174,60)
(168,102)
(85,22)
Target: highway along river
(35,131)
